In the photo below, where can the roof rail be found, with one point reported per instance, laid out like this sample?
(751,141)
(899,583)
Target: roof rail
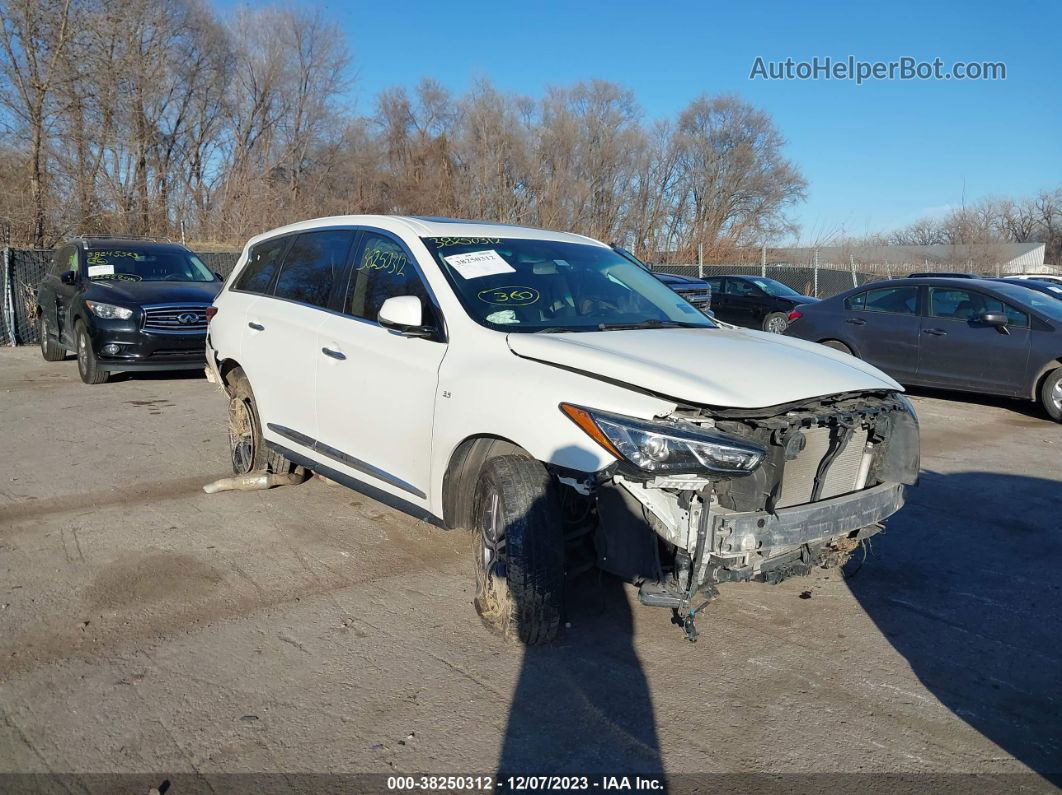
(146,238)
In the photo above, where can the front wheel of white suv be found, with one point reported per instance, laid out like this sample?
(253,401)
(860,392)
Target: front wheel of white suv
(519,550)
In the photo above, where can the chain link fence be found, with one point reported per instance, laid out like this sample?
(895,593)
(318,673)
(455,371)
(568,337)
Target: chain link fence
(21,272)
(821,281)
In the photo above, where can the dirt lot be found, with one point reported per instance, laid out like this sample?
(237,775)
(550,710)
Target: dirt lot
(146,626)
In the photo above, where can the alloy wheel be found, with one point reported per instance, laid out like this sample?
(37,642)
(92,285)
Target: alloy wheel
(82,352)
(242,436)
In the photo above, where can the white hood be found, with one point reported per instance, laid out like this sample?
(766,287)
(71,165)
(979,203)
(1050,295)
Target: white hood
(714,367)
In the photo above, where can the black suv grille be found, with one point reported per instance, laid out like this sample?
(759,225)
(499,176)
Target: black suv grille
(176,318)
(696,296)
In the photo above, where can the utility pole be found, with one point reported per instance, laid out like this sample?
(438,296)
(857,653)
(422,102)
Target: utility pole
(700,260)
(763,260)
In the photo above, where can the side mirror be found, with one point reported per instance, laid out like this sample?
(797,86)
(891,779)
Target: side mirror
(219,277)
(404,315)
(68,277)
(997,320)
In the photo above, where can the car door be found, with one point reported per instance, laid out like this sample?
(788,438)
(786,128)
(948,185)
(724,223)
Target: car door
(745,303)
(375,387)
(62,294)
(280,350)
(884,328)
(46,290)
(718,298)
(960,351)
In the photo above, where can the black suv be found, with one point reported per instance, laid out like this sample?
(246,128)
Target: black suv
(124,304)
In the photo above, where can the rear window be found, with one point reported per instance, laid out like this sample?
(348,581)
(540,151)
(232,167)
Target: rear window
(856,301)
(893,300)
(262,263)
(312,266)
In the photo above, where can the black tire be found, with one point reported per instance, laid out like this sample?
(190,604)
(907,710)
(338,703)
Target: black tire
(519,550)
(776,322)
(247,451)
(51,351)
(1051,395)
(87,365)
(837,345)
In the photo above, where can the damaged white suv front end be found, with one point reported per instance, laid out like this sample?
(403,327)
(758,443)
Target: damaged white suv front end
(749,495)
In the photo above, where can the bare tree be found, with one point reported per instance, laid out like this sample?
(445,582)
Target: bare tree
(33,35)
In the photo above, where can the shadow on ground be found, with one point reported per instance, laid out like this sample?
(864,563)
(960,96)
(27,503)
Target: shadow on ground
(157,375)
(582,705)
(966,584)
(1028,408)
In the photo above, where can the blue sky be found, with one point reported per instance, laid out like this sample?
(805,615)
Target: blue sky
(876,156)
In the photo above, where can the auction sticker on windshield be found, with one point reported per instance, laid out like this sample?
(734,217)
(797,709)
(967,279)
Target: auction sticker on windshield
(95,271)
(476,264)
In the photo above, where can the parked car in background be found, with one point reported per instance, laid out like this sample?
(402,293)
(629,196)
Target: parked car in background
(1043,277)
(548,394)
(1045,287)
(977,335)
(755,301)
(697,291)
(123,304)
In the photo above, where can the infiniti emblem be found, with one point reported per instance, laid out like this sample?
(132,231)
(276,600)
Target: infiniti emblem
(187,318)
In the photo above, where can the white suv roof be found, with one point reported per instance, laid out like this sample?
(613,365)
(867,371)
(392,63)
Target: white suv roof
(423,226)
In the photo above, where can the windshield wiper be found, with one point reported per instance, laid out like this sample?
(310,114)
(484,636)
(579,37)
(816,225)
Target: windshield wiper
(648,324)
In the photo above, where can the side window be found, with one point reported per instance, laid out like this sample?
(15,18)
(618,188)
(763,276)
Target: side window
(742,288)
(858,302)
(894,300)
(715,284)
(65,260)
(262,263)
(312,266)
(382,271)
(956,304)
(1015,317)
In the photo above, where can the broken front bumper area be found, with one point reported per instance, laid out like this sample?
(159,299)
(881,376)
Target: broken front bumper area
(758,546)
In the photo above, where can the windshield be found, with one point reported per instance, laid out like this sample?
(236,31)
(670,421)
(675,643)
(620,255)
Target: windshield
(544,285)
(771,287)
(133,264)
(1041,302)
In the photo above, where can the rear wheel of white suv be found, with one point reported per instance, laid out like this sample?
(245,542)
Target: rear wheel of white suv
(248,451)
(519,550)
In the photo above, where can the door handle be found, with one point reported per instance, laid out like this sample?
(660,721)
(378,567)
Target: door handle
(256,326)
(334,353)
(856,321)
(936,332)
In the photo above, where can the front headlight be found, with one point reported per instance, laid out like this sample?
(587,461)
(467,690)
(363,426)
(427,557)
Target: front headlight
(109,311)
(667,447)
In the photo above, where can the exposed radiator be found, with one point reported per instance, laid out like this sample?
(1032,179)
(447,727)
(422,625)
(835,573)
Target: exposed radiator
(798,479)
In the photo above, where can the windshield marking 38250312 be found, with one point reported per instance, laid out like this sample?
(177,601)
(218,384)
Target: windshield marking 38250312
(530,285)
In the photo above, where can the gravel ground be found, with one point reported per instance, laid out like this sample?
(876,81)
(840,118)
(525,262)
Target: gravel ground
(148,627)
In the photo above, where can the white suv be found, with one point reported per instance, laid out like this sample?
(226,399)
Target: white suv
(544,391)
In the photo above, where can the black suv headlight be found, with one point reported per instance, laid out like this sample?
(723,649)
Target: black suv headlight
(109,311)
(667,447)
